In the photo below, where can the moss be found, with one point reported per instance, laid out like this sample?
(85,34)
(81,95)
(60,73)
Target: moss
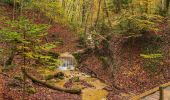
(104,61)
(52,81)
(52,67)
(77,57)
(59,75)
(61,83)
(18,77)
(48,77)
(75,79)
(31,90)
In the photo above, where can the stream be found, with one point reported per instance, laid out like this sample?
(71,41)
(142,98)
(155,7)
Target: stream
(92,88)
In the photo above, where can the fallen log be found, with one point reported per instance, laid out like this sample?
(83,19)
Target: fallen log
(72,91)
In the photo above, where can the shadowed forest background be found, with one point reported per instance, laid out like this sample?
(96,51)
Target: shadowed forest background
(83,49)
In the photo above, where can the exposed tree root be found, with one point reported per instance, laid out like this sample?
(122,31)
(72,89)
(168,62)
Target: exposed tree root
(72,91)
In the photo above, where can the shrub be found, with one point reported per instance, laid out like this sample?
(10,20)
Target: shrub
(26,38)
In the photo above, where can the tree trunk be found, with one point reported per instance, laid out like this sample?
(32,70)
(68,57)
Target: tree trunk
(98,12)
(117,3)
(11,57)
(107,13)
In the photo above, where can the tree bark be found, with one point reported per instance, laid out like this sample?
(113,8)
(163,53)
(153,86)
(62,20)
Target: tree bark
(98,13)
(117,3)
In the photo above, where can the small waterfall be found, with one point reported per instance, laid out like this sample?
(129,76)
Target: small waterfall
(69,62)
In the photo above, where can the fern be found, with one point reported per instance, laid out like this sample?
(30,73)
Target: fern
(151,56)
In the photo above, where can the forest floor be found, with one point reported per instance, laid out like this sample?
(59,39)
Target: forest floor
(43,93)
(130,79)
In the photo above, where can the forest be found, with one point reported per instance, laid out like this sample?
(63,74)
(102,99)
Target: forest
(84,49)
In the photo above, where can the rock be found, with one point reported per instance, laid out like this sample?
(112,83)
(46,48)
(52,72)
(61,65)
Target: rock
(59,75)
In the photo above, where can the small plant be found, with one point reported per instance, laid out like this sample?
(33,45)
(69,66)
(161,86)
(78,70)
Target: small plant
(151,56)
(105,61)
(31,90)
(151,61)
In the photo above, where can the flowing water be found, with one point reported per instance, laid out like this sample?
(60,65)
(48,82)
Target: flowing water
(67,65)
(69,62)
(95,90)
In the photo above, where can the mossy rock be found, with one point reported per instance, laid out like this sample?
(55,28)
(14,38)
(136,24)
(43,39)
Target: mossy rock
(75,79)
(59,75)
(52,68)
(31,90)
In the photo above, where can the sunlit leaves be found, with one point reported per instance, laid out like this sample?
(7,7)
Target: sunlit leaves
(43,58)
(27,38)
(51,9)
(8,35)
(151,56)
(46,47)
(139,24)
